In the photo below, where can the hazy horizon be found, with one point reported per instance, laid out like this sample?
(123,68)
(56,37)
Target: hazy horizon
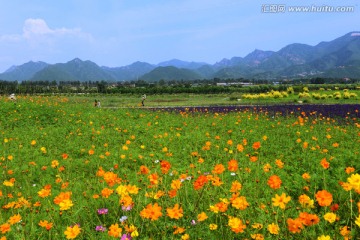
(116,33)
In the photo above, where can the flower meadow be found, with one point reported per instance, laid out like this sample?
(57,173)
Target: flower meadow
(72,171)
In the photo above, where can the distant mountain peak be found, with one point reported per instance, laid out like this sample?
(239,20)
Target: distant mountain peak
(293,60)
(76,60)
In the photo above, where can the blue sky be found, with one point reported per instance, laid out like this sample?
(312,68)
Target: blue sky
(119,32)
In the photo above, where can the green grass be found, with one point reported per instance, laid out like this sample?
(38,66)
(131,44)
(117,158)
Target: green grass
(84,140)
(175,100)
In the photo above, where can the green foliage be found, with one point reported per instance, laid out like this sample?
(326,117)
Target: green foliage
(66,145)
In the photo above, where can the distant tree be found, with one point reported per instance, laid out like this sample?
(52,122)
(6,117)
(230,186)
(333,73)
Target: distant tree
(317,80)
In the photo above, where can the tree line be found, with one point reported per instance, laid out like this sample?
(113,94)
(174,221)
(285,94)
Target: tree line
(169,87)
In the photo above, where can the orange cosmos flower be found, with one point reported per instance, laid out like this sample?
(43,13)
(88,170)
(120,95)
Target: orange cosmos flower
(235,186)
(218,169)
(100,172)
(294,225)
(306,201)
(54,163)
(236,225)
(267,167)
(165,166)
(144,170)
(324,163)
(153,178)
(65,156)
(344,231)
(202,217)
(152,212)
(14,219)
(324,198)
(256,145)
(62,196)
(176,212)
(115,230)
(346,186)
(91,152)
(229,142)
(306,176)
(239,203)
(132,189)
(178,230)
(45,224)
(240,148)
(194,154)
(106,192)
(62,168)
(126,200)
(253,158)
(279,163)
(200,182)
(274,182)
(175,184)
(44,193)
(172,193)
(308,219)
(111,178)
(4,228)
(349,170)
(64,185)
(233,165)
(221,206)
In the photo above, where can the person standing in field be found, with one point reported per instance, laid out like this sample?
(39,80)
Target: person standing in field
(12,97)
(143,99)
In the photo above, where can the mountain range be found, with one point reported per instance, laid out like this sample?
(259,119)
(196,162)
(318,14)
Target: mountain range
(338,58)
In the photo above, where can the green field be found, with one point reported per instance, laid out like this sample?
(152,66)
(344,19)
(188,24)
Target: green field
(70,170)
(172,100)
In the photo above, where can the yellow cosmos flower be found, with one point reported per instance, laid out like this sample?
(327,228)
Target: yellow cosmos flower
(66,204)
(213,226)
(330,217)
(273,228)
(72,232)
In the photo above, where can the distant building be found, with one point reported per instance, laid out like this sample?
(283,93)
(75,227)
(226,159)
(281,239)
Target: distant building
(234,84)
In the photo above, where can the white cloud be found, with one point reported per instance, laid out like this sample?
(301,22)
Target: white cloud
(38,30)
(36,26)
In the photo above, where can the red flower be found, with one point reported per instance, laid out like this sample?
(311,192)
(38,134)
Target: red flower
(256,145)
(200,182)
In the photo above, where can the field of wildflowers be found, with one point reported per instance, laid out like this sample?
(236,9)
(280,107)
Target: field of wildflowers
(72,171)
